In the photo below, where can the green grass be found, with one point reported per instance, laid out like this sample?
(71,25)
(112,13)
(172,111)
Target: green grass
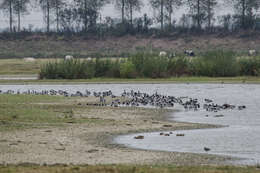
(30,111)
(19,66)
(217,63)
(127,169)
(241,79)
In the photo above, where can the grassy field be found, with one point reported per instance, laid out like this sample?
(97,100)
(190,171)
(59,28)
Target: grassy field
(20,66)
(243,79)
(29,111)
(127,169)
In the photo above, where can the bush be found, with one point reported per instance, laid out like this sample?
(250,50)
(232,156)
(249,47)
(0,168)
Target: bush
(150,65)
(216,64)
(128,70)
(249,66)
(178,67)
(213,64)
(67,69)
(155,67)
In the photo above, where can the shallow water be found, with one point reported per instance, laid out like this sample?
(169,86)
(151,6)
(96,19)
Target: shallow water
(240,139)
(18,77)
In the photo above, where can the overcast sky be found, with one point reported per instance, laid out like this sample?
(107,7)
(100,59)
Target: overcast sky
(35,18)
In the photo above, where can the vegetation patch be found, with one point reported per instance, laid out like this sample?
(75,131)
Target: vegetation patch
(143,65)
(27,111)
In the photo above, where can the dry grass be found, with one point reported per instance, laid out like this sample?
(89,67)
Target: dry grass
(20,66)
(117,46)
(126,169)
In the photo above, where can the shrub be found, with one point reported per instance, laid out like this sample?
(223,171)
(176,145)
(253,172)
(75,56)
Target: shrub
(150,65)
(213,64)
(128,70)
(249,66)
(178,66)
(67,69)
(216,64)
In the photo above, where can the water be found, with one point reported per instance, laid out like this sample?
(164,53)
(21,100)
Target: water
(239,139)
(18,77)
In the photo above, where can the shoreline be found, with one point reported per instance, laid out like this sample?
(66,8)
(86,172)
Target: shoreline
(96,141)
(32,79)
(109,141)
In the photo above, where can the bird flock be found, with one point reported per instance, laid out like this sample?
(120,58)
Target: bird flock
(136,99)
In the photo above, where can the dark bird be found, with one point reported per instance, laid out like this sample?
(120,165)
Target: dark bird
(206,149)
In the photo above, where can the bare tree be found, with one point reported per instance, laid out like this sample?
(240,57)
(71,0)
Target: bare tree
(159,6)
(202,11)
(246,10)
(7,6)
(89,10)
(197,10)
(20,8)
(57,6)
(170,5)
(121,5)
(210,5)
(46,7)
(131,7)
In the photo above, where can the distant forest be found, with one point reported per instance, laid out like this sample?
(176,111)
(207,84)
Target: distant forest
(83,16)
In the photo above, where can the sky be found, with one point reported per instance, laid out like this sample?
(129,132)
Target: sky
(35,18)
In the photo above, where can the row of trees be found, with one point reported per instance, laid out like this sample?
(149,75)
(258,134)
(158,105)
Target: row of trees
(84,15)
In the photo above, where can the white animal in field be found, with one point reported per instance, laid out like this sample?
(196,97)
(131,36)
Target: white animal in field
(162,53)
(89,59)
(69,57)
(252,52)
(29,59)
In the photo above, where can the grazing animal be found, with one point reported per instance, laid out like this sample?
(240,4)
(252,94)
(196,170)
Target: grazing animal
(89,59)
(162,53)
(252,52)
(69,57)
(189,52)
(29,59)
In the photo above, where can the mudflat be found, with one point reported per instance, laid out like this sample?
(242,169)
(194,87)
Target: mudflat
(91,141)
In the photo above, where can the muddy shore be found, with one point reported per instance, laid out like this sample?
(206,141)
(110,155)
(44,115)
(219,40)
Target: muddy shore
(92,143)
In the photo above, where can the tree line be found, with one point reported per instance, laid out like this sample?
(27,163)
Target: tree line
(84,16)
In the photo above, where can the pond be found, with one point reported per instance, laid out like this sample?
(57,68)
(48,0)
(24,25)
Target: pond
(240,138)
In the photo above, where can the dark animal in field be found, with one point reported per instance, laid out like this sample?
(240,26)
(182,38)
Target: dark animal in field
(189,52)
